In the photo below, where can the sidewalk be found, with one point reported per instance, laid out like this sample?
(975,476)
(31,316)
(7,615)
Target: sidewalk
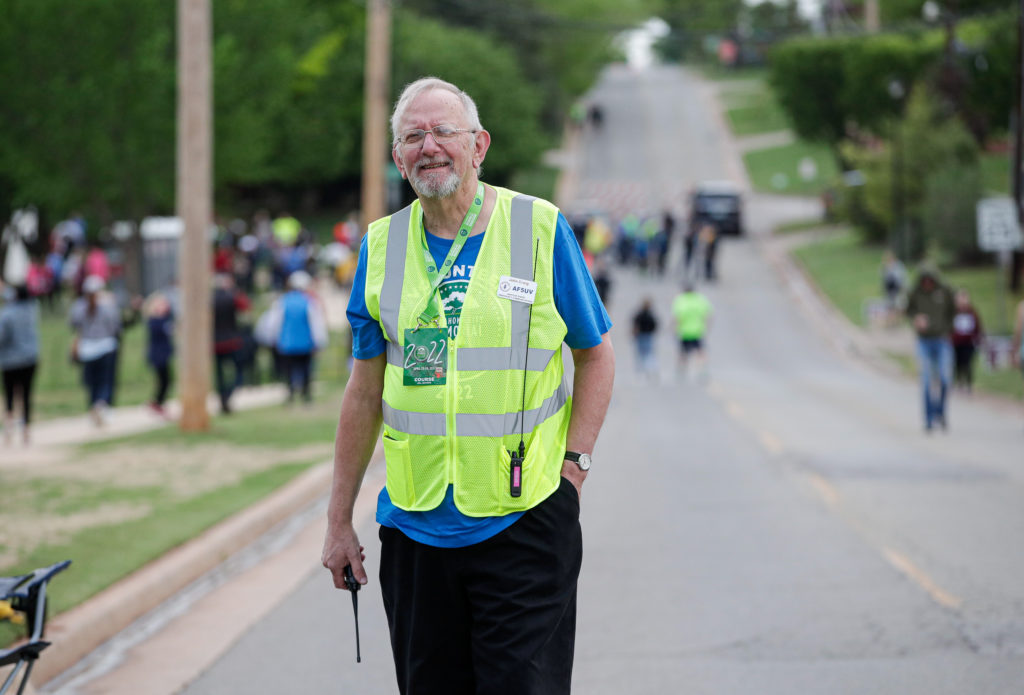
(125,420)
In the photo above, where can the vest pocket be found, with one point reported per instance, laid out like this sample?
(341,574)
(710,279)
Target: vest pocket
(398,471)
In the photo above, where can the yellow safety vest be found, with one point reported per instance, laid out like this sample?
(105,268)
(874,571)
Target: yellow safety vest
(460,433)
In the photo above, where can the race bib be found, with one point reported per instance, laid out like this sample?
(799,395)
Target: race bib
(425,357)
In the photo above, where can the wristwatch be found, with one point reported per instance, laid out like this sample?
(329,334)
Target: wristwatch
(581,460)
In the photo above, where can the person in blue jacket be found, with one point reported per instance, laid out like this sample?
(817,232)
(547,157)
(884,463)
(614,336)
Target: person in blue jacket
(302,331)
(160,347)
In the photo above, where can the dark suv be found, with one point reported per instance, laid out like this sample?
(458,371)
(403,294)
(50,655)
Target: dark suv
(718,203)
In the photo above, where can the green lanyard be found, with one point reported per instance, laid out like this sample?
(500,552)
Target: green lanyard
(430,313)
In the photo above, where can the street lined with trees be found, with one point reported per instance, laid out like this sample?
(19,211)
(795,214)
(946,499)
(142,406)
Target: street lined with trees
(87,117)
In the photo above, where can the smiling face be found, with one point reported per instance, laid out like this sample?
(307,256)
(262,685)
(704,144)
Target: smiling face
(439,170)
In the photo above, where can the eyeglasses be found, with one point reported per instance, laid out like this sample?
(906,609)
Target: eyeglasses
(441,133)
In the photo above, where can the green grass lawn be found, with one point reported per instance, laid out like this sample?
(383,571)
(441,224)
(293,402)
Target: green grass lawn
(753,111)
(777,169)
(846,270)
(58,386)
(802,226)
(720,73)
(169,487)
(102,555)
(995,173)
(849,273)
(58,389)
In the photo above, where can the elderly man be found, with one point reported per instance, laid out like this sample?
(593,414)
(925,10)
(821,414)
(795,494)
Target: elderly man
(459,308)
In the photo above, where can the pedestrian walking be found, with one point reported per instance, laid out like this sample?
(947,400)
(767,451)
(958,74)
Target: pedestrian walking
(485,451)
(1018,338)
(709,245)
(668,229)
(645,325)
(96,321)
(300,329)
(689,247)
(894,280)
(930,308)
(966,336)
(692,312)
(159,347)
(228,303)
(19,355)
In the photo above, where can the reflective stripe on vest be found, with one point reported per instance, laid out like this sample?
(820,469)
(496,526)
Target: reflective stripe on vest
(391,292)
(476,425)
(470,359)
(473,425)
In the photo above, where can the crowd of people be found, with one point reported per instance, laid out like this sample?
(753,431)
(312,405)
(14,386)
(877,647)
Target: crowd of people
(949,333)
(643,243)
(278,255)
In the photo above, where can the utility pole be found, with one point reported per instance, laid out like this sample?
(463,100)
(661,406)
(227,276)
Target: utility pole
(871,16)
(195,208)
(1017,263)
(375,110)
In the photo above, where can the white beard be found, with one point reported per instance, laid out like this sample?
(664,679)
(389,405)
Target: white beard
(432,188)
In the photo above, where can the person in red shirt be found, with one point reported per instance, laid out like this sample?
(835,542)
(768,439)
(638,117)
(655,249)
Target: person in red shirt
(966,338)
(228,341)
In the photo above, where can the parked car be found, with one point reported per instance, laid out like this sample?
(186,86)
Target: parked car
(717,202)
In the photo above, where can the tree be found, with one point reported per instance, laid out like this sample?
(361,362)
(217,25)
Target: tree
(87,115)
(560,45)
(693,20)
(775,18)
(931,143)
(807,76)
(870,66)
(509,105)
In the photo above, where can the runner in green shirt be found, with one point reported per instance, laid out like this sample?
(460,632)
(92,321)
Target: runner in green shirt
(692,312)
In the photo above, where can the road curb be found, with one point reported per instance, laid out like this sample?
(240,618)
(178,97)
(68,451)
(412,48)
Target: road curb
(845,338)
(82,629)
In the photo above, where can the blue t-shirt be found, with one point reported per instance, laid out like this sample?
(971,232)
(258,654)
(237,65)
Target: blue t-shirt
(576,301)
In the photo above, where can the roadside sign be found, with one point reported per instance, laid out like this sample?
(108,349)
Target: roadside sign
(998,228)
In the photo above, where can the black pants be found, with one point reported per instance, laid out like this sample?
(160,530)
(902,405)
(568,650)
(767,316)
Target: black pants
(495,618)
(963,364)
(163,382)
(19,379)
(98,377)
(225,387)
(298,372)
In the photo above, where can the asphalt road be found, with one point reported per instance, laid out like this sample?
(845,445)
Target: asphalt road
(784,527)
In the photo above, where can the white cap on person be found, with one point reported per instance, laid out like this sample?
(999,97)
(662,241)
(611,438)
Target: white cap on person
(93,284)
(300,280)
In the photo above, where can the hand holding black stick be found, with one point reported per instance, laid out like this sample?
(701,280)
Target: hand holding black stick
(352,585)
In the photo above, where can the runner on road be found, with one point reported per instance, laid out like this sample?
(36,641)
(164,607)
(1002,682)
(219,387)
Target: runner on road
(692,312)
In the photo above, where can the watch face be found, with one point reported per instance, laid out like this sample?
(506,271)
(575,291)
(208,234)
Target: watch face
(584,462)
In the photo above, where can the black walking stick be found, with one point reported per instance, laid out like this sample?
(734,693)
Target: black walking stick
(352,585)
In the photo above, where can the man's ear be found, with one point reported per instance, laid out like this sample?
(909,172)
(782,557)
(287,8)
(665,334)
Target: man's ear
(398,161)
(481,145)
